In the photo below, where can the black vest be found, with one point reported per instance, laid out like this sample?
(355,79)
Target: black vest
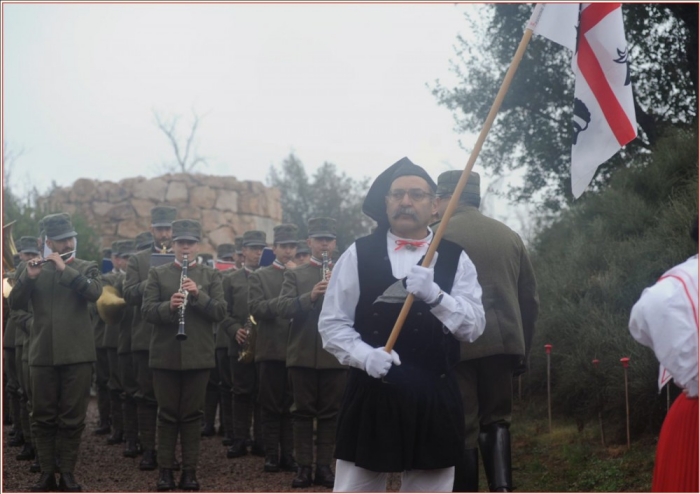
(423,343)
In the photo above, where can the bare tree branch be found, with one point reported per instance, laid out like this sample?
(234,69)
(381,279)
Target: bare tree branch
(187,162)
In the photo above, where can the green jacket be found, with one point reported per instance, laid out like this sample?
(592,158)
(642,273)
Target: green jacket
(98,325)
(507,280)
(272,331)
(197,351)
(222,336)
(236,296)
(111,333)
(10,336)
(124,327)
(61,332)
(134,286)
(305,348)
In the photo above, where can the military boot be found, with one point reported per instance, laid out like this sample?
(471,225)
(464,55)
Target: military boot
(35,467)
(166,482)
(103,427)
(494,442)
(324,476)
(132,449)
(67,483)
(27,453)
(188,480)
(148,461)
(46,483)
(17,440)
(303,478)
(117,437)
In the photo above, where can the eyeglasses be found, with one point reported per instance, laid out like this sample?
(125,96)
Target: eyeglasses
(415,195)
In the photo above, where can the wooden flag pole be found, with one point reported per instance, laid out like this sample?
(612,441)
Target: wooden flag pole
(625,363)
(452,204)
(548,349)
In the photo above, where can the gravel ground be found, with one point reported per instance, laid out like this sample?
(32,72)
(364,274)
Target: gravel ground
(102,468)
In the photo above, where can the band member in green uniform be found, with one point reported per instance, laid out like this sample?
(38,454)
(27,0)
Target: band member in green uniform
(183,310)
(303,253)
(160,241)
(62,349)
(274,394)
(317,378)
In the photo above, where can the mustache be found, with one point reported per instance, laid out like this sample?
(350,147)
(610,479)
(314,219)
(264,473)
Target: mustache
(404,211)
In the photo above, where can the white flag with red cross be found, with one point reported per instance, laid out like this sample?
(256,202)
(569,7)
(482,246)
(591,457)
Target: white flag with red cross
(604,117)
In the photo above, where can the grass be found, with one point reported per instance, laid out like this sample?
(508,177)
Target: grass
(573,460)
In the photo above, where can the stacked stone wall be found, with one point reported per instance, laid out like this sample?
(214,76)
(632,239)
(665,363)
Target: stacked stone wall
(224,206)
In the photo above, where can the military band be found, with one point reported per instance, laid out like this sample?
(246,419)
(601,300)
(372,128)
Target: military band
(291,354)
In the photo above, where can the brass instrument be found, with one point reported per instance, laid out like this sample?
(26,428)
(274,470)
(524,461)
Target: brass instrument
(38,262)
(181,336)
(9,251)
(247,350)
(111,306)
(163,249)
(325,266)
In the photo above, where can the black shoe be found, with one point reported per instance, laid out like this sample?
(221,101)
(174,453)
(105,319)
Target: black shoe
(103,428)
(287,463)
(35,467)
(303,478)
(17,440)
(46,483)
(257,450)
(132,449)
(208,430)
(68,484)
(237,449)
(324,476)
(116,437)
(166,482)
(188,481)
(27,453)
(148,462)
(221,431)
(176,466)
(272,464)
(227,440)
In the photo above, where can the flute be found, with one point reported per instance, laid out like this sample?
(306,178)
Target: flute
(38,262)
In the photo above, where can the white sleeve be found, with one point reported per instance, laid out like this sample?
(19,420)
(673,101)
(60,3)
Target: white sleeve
(337,319)
(663,320)
(461,310)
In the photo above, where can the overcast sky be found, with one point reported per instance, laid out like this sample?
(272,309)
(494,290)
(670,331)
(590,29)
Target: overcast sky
(347,84)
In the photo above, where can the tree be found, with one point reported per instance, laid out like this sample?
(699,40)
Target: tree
(187,157)
(533,130)
(328,193)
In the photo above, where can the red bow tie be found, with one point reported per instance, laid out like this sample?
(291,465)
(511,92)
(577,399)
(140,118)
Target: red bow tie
(410,244)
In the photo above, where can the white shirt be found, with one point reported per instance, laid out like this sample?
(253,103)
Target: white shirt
(460,310)
(665,318)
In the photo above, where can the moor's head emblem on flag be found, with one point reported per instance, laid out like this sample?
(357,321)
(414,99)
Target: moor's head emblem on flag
(582,117)
(623,57)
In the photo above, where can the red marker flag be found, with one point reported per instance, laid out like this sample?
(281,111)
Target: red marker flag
(604,117)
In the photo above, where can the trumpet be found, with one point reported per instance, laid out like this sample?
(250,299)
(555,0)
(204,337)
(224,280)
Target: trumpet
(247,350)
(325,266)
(38,262)
(183,276)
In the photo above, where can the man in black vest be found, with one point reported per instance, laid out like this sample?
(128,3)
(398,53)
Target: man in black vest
(402,410)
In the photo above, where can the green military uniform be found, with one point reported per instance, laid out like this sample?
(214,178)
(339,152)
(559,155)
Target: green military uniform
(243,374)
(101,367)
(61,350)
(141,331)
(12,387)
(317,378)
(181,367)
(510,301)
(274,393)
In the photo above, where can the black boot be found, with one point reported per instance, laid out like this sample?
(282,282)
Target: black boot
(272,463)
(166,482)
(324,476)
(116,437)
(188,480)
(257,449)
(132,449)
(237,449)
(27,453)
(303,478)
(467,471)
(46,483)
(227,440)
(494,442)
(36,467)
(68,484)
(287,463)
(208,430)
(104,427)
(17,440)
(148,462)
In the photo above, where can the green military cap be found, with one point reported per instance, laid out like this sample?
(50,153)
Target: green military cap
(239,244)
(302,247)
(321,227)
(286,234)
(253,238)
(126,248)
(447,182)
(58,226)
(143,240)
(187,230)
(120,247)
(163,216)
(29,245)
(106,253)
(225,250)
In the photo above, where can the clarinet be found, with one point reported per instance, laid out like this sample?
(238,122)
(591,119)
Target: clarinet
(325,266)
(183,276)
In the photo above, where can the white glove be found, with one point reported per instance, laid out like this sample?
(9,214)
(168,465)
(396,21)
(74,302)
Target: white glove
(379,362)
(420,282)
